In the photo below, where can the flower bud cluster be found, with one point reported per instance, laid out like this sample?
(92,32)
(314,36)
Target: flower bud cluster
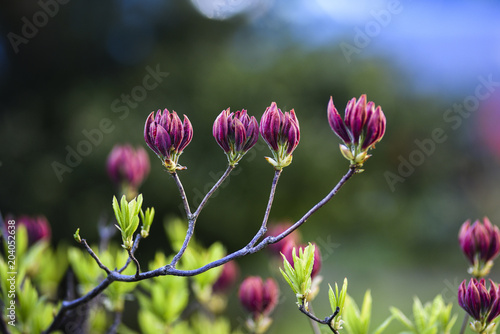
(282,133)
(168,136)
(481,304)
(480,242)
(128,167)
(363,126)
(259,298)
(235,133)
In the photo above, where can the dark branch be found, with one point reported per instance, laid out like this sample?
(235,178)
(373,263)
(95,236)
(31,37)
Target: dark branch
(170,268)
(96,258)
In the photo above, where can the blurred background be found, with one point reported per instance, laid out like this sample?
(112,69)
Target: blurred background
(82,76)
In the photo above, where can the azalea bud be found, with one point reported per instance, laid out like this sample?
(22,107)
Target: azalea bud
(235,133)
(128,167)
(37,228)
(168,136)
(258,297)
(281,132)
(363,126)
(480,244)
(277,229)
(227,277)
(481,304)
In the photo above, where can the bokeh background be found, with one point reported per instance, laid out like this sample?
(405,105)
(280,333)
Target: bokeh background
(433,66)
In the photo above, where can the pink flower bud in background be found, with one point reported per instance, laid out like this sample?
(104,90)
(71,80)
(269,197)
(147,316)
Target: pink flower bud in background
(277,229)
(281,132)
(287,251)
(363,126)
(258,297)
(481,304)
(227,278)
(128,165)
(168,136)
(37,227)
(481,244)
(235,133)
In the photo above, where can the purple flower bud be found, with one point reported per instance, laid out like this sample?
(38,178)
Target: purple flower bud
(227,277)
(168,136)
(258,297)
(281,132)
(363,126)
(288,249)
(235,133)
(37,228)
(479,302)
(128,165)
(479,242)
(276,230)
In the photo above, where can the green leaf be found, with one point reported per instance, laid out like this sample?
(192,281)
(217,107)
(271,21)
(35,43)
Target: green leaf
(384,325)
(116,209)
(402,318)
(419,315)
(366,310)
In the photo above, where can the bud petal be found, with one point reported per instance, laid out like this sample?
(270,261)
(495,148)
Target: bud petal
(336,123)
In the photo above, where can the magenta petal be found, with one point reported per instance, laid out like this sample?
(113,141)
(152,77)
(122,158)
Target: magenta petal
(336,123)
(163,142)
(239,135)
(187,134)
(252,134)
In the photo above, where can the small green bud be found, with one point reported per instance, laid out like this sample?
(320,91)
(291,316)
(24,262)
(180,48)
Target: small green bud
(77,236)
(147,220)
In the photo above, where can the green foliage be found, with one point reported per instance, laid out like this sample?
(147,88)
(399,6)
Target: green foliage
(298,276)
(196,256)
(358,322)
(34,313)
(337,300)
(86,270)
(164,300)
(52,268)
(431,318)
(127,216)
(176,232)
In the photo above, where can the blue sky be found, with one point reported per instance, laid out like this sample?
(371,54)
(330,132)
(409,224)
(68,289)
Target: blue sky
(440,44)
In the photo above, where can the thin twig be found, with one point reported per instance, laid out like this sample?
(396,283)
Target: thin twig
(171,270)
(213,190)
(116,322)
(182,193)
(464,324)
(327,321)
(134,248)
(138,266)
(193,217)
(263,227)
(96,258)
